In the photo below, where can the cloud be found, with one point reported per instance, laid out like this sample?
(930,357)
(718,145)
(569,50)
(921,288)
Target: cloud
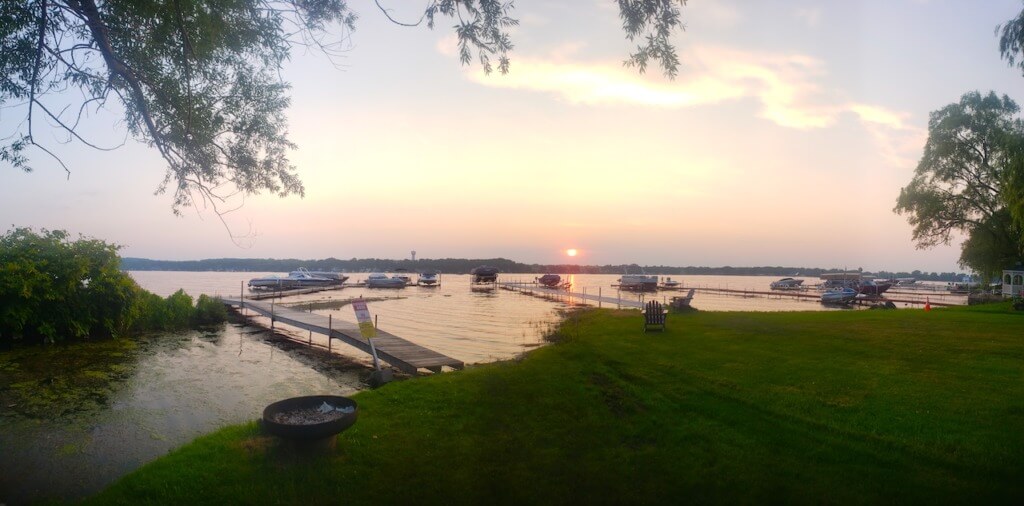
(789,89)
(786,85)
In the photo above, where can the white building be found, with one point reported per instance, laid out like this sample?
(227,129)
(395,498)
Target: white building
(1013,281)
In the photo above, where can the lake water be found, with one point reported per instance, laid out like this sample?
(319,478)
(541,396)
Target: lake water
(138,403)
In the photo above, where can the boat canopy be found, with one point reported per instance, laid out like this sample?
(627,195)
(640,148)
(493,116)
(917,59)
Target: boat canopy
(841,276)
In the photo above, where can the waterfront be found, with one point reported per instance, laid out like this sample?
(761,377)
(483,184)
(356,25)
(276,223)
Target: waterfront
(78,416)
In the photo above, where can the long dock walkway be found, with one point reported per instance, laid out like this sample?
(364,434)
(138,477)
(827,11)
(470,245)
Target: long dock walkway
(633,301)
(400,353)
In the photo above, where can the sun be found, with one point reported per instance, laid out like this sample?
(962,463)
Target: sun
(571,252)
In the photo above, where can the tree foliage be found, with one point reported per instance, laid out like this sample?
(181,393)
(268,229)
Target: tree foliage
(1011,41)
(958,185)
(199,80)
(54,288)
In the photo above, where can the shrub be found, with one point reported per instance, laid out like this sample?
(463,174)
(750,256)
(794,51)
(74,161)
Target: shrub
(52,287)
(209,311)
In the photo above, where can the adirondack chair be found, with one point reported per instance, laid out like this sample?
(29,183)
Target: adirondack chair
(654,316)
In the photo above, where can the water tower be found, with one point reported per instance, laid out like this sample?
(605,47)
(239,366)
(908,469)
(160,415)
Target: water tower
(413,255)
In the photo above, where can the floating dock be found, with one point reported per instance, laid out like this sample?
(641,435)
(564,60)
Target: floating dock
(400,353)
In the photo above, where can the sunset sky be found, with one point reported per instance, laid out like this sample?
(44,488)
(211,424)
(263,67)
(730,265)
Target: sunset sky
(784,140)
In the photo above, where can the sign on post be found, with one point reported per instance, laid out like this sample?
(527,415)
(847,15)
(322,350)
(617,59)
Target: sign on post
(366,328)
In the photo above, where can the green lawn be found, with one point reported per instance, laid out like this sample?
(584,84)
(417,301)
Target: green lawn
(816,407)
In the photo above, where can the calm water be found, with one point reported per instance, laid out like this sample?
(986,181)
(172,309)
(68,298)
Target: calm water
(482,327)
(172,388)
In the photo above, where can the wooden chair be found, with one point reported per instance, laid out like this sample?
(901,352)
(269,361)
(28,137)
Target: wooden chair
(654,316)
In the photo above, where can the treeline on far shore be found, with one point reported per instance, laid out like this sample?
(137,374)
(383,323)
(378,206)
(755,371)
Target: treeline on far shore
(465,265)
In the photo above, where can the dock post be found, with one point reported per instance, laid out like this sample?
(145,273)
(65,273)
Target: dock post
(330,330)
(271,313)
(599,297)
(373,349)
(311,330)
(241,296)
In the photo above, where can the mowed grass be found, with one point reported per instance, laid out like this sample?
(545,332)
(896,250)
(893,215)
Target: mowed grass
(839,407)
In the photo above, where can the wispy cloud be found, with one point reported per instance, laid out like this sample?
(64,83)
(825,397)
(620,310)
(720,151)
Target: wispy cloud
(789,89)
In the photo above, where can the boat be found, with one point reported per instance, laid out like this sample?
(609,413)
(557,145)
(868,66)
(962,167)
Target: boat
(840,280)
(638,282)
(787,284)
(550,280)
(839,295)
(965,285)
(871,287)
(484,274)
(381,280)
(337,277)
(670,284)
(300,278)
(403,276)
(428,278)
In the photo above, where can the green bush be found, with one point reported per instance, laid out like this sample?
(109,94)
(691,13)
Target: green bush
(52,287)
(209,311)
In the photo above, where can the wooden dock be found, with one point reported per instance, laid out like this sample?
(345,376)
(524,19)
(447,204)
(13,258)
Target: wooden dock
(400,353)
(277,294)
(806,294)
(633,300)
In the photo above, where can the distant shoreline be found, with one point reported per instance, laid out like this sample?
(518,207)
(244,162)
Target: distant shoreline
(465,265)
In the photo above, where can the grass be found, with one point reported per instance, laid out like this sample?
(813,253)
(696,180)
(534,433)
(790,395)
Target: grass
(853,407)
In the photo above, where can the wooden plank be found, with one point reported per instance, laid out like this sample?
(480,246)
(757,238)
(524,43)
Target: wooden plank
(405,355)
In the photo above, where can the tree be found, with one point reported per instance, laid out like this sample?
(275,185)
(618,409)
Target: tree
(1011,42)
(199,79)
(958,185)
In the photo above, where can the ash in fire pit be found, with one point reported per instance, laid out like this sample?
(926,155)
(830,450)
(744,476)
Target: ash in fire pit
(309,418)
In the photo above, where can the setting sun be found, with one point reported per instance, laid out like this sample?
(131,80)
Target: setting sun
(571,252)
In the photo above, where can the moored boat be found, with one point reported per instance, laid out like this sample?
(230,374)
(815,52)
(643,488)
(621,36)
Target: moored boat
(550,280)
(428,278)
(402,276)
(300,278)
(842,295)
(638,282)
(670,284)
(381,280)
(787,284)
(871,287)
(484,274)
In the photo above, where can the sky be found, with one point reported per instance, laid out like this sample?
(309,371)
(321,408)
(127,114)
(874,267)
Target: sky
(784,140)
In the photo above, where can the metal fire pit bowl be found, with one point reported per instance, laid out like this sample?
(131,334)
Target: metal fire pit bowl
(309,431)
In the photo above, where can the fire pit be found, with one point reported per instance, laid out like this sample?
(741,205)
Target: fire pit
(310,418)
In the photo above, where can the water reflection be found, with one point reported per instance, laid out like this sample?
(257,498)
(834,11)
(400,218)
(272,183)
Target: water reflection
(163,392)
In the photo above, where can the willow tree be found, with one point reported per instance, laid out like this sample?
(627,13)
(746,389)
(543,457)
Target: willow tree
(200,82)
(958,186)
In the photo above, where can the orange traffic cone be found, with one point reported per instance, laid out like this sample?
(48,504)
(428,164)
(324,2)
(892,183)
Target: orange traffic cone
(927,305)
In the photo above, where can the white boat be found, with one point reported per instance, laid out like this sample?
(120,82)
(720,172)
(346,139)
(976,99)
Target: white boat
(337,277)
(670,284)
(403,276)
(296,279)
(787,284)
(965,285)
(381,280)
(638,282)
(428,278)
(842,295)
